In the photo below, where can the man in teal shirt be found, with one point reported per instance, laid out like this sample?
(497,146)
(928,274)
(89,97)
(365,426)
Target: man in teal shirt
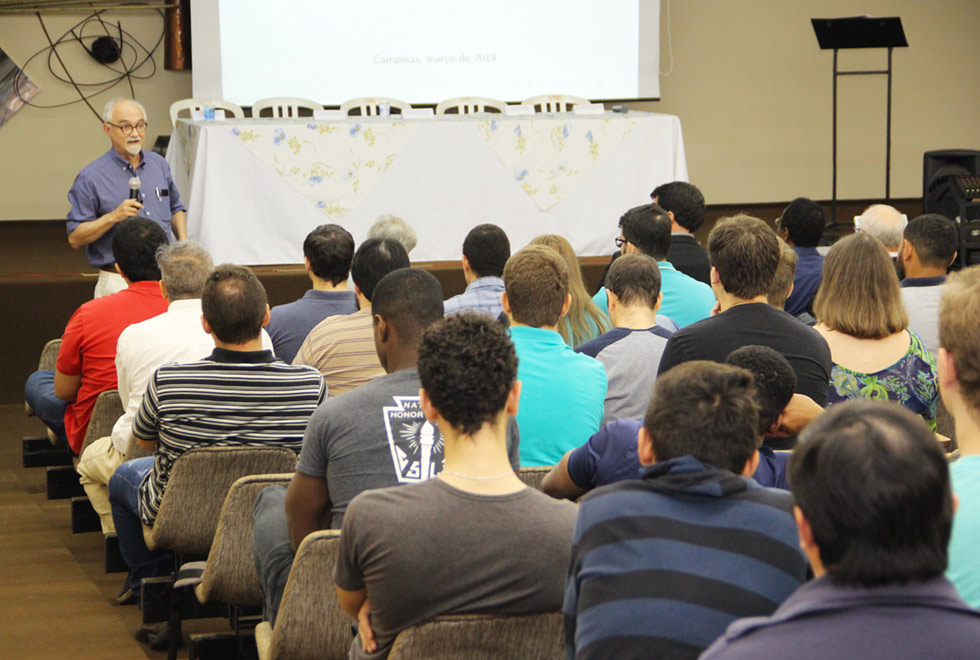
(646,229)
(958,366)
(562,392)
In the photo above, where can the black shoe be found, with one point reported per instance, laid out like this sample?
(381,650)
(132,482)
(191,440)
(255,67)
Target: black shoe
(125,595)
(148,631)
(160,641)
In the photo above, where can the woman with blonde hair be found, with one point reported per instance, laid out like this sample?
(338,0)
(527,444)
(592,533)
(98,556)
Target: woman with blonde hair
(860,313)
(584,320)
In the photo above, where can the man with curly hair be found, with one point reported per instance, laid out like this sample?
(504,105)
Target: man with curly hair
(480,540)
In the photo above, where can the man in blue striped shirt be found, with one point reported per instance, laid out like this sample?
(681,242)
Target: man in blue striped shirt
(660,566)
(240,395)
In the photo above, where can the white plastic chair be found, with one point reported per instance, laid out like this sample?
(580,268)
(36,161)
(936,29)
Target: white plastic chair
(368,106)
(554,102)
(194,105)
(467,105)
(284,106)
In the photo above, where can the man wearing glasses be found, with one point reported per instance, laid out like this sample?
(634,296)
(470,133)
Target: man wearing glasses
(101,195)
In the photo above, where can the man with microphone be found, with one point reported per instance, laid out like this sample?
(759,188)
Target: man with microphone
(122,183)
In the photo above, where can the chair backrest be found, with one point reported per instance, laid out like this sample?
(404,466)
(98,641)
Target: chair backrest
(467,105)
(49,355)
(229,575)
(483,636)
(368,106)
(199,482)
(310,624)
(554,102)
(193,105)
(134,450)
(108,408)
(533,476)
(285,106)
(945,424)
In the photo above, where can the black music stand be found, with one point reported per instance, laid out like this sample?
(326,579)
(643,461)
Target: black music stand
(861,32)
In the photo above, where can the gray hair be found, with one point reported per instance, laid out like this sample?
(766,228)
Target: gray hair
(184,268)
(111,105)
(393,227)
(883,222)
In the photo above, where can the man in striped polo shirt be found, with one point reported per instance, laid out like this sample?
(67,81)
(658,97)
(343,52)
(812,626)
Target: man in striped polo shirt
(239,395)
(660,566)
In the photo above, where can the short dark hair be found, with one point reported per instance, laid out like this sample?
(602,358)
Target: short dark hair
(330,249)
(745,252)
(536,282)
(410,299)
(775,380)
(467,365)
(134,247)
(234,304)
(487,248)
(682,199)
(935,239)
(635,279)
(707,410)
(375,258)
(804,220)
(873,483)
(648,228)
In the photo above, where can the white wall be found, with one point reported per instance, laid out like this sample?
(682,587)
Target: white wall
(751,87)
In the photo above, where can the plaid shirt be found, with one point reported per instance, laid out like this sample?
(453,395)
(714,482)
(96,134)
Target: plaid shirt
(482,295)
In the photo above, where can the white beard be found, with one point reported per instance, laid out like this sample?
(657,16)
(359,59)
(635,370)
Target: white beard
(133,148)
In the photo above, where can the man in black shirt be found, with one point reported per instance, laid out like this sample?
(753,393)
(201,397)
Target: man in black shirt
(684,204)
(744,254)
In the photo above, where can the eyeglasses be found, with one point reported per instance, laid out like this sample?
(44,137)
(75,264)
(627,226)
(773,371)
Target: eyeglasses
(128,128)
(620,242)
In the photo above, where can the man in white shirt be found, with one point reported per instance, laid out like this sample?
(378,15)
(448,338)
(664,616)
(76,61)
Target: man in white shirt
(174,336)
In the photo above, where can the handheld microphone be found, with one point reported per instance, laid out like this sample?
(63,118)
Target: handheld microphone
(134,188)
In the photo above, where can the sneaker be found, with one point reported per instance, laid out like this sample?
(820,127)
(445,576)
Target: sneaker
(125,595)
(148,631)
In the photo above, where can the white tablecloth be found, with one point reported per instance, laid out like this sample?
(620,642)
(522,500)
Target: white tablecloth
(255,188)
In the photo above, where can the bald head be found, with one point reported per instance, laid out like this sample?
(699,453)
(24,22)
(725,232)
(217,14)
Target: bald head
(885,223)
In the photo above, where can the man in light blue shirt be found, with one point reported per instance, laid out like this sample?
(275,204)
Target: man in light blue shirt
(646,230)
(485,251)
(562,392)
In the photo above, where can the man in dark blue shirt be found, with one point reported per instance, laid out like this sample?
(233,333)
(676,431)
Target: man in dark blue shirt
(801,226)
(100,196)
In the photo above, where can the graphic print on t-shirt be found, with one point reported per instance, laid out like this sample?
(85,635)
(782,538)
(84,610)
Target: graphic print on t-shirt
(415,443)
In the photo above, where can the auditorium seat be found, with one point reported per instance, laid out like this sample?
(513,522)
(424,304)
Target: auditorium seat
(555,102)
(369,106)
(310,624)
(49,356)
(533,476)
(198,105)
(107,410)
(285,106)
(483,637)
(467,105)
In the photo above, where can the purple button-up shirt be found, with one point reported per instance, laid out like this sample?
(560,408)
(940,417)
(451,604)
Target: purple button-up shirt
(103,184)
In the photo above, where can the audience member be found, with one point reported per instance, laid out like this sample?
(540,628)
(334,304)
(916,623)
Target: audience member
(782,283)
(374,437)
(64,398)
(239,395)
(174,336)
(342,347)
(874,510)
(661,565)
(480,540)
(684,205)
(327,253)
(958,362)
(744,255)
(562,392)
(861,316)
(610,454)
(394,228)
(885,223)
(927,252)
(631,351)
(101,195)
(583,322)
(646,229)
(801,226)
(486,249)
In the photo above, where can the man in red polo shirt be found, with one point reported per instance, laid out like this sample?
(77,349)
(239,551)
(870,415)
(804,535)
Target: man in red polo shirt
(86,367)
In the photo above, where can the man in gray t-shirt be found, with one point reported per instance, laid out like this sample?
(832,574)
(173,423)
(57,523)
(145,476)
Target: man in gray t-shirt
(474,539)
